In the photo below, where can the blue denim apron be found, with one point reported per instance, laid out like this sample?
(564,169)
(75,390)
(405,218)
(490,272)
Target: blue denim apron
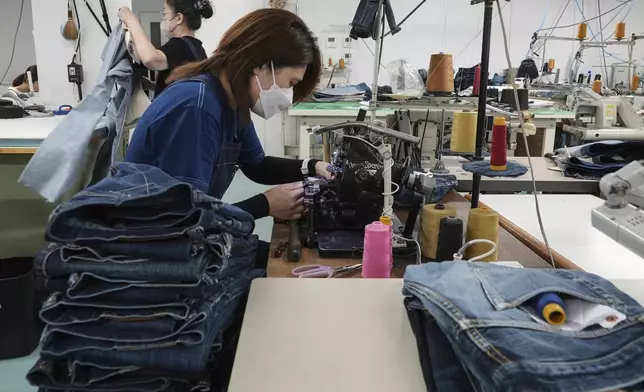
(226,166)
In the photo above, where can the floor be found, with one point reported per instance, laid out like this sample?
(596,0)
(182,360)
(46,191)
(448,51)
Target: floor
(12,372)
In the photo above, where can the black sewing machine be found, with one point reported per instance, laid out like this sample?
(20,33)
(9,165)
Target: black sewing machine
(338,210)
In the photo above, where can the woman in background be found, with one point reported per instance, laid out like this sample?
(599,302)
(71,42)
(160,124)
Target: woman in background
(180,19)
(21,83)
(200,130)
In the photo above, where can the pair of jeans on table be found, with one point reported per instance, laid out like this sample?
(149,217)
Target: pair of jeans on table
(141,203)
(85,376)
(60,260)
(167,343)
(473,334)
(57,262)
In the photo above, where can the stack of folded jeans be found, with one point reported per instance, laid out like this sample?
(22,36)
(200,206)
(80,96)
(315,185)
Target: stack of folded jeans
(595,160)
(149,275)
(474,331)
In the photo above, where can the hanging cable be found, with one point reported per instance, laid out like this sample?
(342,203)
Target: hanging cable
(587,20)
(100,24)
(525,138)
(77,51)
(601,36)
(15,39)
(456,56)
(106,17)
(407,17)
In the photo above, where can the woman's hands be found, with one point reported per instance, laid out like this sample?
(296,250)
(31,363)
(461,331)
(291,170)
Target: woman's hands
(321,170)
(126,15)
(286,202)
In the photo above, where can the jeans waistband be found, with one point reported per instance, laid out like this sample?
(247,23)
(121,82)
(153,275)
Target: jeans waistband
(85,376)
(198,224)
(61,260)
(172,354)
(58,310)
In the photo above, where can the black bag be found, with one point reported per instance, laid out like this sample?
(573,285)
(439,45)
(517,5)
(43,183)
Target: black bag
(528,69)
(464,78)
(20,327)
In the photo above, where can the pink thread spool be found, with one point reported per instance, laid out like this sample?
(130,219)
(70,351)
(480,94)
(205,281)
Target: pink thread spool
(377,259)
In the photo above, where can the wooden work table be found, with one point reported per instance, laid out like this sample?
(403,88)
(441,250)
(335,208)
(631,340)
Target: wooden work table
(510,248)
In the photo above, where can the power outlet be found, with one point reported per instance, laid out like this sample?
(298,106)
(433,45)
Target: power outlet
(75,73)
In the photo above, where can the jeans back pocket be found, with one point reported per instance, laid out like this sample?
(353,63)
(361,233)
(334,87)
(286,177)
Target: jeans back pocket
(508,288)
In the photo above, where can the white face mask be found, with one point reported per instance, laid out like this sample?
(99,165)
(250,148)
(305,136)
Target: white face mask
(165,27)
(273,100)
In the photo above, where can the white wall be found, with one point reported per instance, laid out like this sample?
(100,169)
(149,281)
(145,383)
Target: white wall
(53,52)
(226,13)
(25,54)
(451,27)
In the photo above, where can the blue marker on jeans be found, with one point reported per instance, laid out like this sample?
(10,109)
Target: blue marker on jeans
(551,307)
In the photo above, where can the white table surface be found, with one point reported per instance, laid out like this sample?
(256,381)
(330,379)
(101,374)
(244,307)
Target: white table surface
(326,335)
(547,180)
(567,222)
(28,128)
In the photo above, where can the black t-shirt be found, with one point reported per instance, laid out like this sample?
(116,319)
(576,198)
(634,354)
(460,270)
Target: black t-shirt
(178,51)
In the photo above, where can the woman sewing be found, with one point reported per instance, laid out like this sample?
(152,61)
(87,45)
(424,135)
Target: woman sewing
(179,21)
(200,130)
(21,83)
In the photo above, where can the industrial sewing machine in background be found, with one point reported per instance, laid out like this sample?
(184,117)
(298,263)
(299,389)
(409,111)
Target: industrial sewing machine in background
(616,217)
(612,117)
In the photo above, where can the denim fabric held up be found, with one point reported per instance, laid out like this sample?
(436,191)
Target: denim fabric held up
(54,168)
(478,308)
(142,203)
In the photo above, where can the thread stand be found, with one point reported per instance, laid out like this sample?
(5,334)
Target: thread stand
(440,168)
(482,107)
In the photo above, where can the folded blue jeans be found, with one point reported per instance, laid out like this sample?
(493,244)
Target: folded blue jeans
(89,226)
(479,308)
(62,260)
(176,249)
(88,285)
(174,354)
(135,331)
(442,369)
(142,203)
(84,376)
(59,310)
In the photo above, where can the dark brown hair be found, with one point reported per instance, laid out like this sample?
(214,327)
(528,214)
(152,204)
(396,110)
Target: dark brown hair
(254,41)
(22,78)
(192,11)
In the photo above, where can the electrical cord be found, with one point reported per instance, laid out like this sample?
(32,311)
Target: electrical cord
(601,36)
(610,22)
(587,20)
(418,251)
(77,51)
(15,39)
(100,24)
(441,61)
(459,255)
(552,31)
(407,17)
(525,138)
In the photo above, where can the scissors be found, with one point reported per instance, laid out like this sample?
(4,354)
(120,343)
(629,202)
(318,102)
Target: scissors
(322,271)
